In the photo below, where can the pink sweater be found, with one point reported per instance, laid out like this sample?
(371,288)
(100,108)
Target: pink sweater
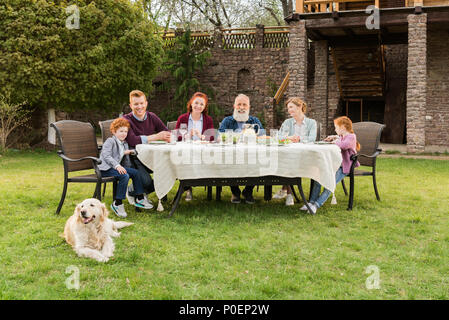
(348,145)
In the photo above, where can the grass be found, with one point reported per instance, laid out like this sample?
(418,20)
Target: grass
(217,250)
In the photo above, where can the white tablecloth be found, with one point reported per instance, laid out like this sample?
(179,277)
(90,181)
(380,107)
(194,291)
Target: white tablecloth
(194,161)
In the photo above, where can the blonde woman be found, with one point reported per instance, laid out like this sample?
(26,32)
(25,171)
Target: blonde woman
(298,128)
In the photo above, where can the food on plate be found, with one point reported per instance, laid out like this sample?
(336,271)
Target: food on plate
(284,141)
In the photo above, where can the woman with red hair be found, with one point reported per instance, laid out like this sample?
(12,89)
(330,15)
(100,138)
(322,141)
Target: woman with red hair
(196,117)
(200,125)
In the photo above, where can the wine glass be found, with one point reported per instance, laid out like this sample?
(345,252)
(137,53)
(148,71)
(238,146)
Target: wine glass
(183,130)
(274,134)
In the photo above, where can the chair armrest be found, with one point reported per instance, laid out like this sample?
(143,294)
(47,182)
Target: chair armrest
(95,160)
(375,154)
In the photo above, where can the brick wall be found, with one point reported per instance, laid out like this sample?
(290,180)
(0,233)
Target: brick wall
(257,67)
(232,71)
(437,109)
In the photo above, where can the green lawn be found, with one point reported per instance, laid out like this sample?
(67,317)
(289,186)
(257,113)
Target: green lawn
(217,250)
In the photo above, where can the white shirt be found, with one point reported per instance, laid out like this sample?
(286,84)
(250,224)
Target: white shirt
(300,129)
(198,125)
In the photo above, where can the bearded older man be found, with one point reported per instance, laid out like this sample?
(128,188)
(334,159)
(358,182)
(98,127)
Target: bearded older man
(236,122)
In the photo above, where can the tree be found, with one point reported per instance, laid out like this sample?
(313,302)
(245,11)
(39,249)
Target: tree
(114,50)
(12,116)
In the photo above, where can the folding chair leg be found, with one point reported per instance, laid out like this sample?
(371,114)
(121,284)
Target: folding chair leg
(351,192)
(97,193)
(104,188)
(61,202)
(344,186)
(114,189)
(375,187)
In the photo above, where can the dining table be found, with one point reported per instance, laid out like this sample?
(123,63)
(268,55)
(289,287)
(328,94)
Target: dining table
(201,163)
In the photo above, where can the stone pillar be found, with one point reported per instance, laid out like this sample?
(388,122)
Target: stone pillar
(297,64)
(218,39)
(260,30)
(416,82)
(319,108)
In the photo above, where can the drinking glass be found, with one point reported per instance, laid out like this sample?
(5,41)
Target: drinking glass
(229,136)
(173,136)
(283,134)
(274,136)
(183,130)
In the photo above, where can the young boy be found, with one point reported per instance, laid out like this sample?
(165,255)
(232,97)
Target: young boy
(114,153)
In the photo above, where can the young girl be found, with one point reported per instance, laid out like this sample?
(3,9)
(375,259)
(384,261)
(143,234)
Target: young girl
(347,141)
(114,153)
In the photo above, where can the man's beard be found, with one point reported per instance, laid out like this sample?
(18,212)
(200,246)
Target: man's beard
(241,117)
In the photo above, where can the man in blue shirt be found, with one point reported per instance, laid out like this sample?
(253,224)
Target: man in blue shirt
(236,122)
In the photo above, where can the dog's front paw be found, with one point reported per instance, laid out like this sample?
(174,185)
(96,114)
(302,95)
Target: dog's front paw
(103,259)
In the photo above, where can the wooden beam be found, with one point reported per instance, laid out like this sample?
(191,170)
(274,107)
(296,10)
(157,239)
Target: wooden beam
(300,6)
(437,17)
(354,22)
(391,38)
(315,35)
(349,32)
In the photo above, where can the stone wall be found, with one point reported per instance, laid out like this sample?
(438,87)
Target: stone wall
(437,106)
(252,71)
(395,94)
(230,72)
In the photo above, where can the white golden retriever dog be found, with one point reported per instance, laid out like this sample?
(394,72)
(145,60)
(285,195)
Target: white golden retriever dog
(89,230)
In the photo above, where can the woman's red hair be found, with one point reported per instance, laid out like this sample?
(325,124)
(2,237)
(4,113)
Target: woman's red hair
(198,95)
(347,124)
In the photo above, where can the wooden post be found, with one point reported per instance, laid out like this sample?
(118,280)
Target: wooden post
(361,110)
(300,6)
(376,3)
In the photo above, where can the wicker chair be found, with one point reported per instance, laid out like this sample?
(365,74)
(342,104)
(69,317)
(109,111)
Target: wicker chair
(318,131)
(79,151)
(368,135)
(105,134)
(171,125)
(105,129)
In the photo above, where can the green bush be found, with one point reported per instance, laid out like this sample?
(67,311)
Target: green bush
(12,117)
(114,51)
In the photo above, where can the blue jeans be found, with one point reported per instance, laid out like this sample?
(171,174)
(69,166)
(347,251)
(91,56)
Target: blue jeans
(123,181)
(145,177)
(315,196)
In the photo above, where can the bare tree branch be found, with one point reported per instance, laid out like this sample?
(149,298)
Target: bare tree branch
(272,13)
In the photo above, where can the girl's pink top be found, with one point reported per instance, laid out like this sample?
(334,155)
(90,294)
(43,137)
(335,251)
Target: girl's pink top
(348,145)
